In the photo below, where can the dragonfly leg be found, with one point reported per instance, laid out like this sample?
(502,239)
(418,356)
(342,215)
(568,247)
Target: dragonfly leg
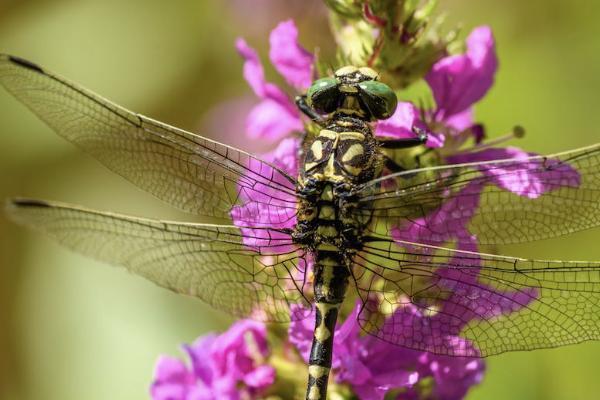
(392,165)
(307,110)
(405,143)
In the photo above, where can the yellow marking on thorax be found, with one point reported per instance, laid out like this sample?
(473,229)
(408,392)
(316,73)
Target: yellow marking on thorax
(328,134)
(355,150)
(345,123)
(329,171)
(352,135)
(310,165)
(331,178)
(317,149)
(353,170)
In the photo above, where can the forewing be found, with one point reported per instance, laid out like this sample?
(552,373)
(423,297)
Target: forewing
(501,202)
(210,262)
(468,304)
(190,172)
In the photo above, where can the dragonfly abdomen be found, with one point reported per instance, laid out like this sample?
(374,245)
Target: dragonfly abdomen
(331,272)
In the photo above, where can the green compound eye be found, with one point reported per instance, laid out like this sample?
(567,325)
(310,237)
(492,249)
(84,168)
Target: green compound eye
(378,98)
(324,95)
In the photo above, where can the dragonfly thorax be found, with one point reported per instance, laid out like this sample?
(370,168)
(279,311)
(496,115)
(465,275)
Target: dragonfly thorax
(341,157)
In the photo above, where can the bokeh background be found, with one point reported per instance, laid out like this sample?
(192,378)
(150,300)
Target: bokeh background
(71,328)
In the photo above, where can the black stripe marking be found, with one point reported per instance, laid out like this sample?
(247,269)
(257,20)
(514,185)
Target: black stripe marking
(26,64)
(28,203)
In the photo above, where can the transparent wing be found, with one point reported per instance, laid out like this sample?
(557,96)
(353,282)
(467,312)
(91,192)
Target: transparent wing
(470,304)
(259,276)
(501,202)
(190,172)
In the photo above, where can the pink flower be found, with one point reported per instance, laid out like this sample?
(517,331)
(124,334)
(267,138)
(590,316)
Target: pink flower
(276,115)
(372,366)
(275,119)
(402,123)
(523,179)
(459,81)
(290,59)
(230,366)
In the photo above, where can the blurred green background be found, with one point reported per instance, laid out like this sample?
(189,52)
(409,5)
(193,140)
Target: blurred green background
(72,328)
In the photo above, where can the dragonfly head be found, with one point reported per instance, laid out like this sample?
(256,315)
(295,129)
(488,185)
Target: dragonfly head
(355,91)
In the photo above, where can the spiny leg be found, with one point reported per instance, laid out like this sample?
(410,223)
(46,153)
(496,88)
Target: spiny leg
(307,110)
(405,143)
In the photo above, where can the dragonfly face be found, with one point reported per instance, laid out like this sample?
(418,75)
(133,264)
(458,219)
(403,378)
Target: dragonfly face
(353,91)
(394,241)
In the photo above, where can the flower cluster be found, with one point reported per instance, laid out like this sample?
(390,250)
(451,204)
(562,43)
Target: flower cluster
(233,366)
(229,367)
(457,83)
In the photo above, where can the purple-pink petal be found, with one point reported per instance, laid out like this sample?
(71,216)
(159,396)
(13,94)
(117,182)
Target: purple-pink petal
(197,352)
(275,116)
(272,120)
(400,125)
(262,376)
(268,207)
(253,73)
(290,59)
(461,121)
(453,376)
(228,367)
(459,81)
(526,176)
(171,379)
(300,332)
(447,223)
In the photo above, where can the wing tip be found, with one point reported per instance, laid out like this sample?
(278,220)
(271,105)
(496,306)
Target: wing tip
(26,203)
(23,63)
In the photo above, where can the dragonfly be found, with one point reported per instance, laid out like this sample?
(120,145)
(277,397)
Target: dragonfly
(332,230)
